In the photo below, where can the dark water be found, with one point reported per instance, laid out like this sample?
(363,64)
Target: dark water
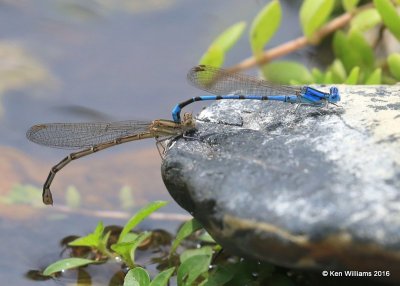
(65,61)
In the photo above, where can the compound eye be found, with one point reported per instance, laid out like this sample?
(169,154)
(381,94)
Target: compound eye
(334,90)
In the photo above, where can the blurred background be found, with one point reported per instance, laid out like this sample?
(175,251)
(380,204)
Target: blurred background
(74,61)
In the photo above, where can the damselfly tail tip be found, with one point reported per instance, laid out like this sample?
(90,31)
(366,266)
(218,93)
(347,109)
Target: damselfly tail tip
(47,197)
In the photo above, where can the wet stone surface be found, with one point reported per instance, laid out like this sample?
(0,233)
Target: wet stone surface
(315,189)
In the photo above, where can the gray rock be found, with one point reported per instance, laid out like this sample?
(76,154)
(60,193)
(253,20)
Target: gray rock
(315,189)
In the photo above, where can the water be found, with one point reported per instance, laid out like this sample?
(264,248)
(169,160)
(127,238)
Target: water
(64,61)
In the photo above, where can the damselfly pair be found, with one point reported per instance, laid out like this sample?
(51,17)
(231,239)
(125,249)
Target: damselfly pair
(94,137)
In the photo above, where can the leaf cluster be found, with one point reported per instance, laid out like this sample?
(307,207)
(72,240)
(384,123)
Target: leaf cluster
(197,266)
(357,46)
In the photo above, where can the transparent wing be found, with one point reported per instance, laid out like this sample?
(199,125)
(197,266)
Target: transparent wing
(222,82)
(80,135)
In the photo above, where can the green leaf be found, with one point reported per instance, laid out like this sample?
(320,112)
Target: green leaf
(313,14)
(213,57)
(91,240)
(139,216)
(66,264)
(187,229)
(221,276)
(192,268)
(138,242)
(206,250)
(394,65)
(284,71)
(137,277)
(103,242)
(375,77)
(186,259)
(342,50)
(366,20)
(99,229)
(123,249)
(338,71)
(163,277)
(229,37)
(388,79)
(264,26)
(390,17)
(130,236)
(317,75)
(364,50)
(127,249)
(206,237)
(353,50)
(215,54)
(349,5)
(353,76)
(294,82)
(328,77)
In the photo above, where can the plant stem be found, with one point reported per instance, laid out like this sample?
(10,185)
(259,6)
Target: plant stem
(298,43)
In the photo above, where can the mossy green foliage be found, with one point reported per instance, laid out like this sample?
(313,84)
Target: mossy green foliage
(356,59)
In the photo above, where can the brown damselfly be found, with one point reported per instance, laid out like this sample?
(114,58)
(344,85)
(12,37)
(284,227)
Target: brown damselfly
(96,136)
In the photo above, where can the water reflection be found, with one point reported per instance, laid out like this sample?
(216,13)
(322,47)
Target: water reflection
(107,182)
(19,70)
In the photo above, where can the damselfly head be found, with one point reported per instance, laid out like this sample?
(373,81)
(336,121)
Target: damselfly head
(333,95)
